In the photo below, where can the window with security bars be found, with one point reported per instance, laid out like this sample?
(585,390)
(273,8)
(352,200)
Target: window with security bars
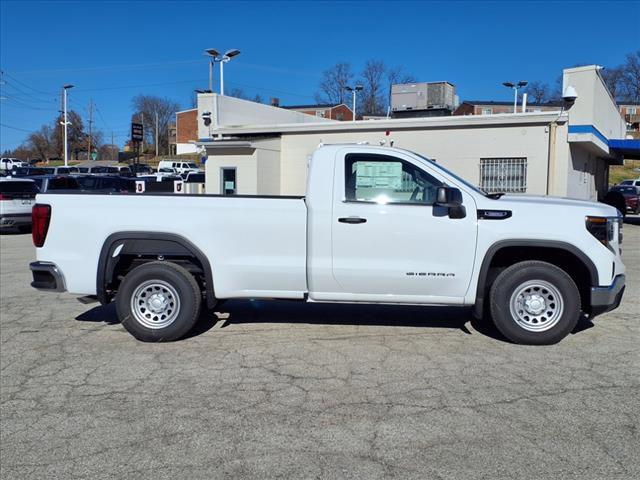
(508,175)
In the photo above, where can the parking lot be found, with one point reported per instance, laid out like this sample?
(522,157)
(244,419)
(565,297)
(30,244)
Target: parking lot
(287,390)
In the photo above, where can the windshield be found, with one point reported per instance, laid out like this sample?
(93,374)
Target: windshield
(449,172)
(192,165)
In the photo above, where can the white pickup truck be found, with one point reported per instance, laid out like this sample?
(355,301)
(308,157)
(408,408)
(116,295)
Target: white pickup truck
(378,225)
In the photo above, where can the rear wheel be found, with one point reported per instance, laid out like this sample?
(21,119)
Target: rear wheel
(158,302)
(535,303)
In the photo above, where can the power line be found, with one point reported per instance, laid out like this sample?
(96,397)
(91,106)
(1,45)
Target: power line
(112,67)
(20,105)
(16,128)
(4,72)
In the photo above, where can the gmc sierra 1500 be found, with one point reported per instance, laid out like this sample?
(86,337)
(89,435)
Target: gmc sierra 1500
(378,225)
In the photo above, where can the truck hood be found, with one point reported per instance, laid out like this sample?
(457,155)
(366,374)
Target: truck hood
(518,202)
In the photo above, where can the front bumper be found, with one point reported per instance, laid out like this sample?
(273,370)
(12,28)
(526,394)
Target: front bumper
(47,277)
(605,299)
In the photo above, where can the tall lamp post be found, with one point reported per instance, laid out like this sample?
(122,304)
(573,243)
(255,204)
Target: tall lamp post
(222,59)
(65,122)
(515,87)
(354,90)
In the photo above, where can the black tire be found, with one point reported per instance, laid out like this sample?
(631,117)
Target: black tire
(174,288)
(536,281)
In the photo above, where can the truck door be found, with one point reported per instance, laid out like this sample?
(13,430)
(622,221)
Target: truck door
(390,243)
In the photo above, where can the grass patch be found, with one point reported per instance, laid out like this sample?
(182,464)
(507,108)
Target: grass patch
(629,170)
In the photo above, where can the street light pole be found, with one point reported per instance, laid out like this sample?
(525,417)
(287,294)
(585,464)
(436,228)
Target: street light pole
(211,74)
(156,134)
(218,57)
(65,123)
(515,87)
(353,91)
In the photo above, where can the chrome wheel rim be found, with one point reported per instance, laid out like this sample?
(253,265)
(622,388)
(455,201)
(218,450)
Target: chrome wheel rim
(155,304)
(536,305)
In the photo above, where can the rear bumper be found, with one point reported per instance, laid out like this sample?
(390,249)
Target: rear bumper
(15,219)
(605,299)
(47,277)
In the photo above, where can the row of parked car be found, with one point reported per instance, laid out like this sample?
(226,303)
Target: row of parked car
(20,185)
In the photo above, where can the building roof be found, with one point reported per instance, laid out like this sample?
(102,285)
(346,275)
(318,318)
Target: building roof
(510,103)
(312,106)
(528,118)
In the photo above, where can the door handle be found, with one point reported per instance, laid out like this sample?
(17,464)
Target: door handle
(352,220)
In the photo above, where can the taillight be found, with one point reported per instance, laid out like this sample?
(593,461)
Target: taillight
(2,197)
(40,216)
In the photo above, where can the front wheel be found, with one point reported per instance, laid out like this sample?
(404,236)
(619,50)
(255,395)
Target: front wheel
(535,303)
(158,302)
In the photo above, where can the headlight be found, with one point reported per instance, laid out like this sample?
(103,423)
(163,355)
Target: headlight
(605,229)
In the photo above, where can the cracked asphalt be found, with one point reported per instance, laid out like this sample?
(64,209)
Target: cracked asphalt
(286,390)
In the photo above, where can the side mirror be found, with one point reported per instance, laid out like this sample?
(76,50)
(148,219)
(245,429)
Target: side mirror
(448,197)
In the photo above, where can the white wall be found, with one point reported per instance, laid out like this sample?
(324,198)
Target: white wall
(257,167)
(186,148)
(230,111)
(594,105)
(245,164)
(458,149)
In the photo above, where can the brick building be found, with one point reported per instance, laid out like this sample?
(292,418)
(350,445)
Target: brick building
(325,110)
(186,132)
(630,111)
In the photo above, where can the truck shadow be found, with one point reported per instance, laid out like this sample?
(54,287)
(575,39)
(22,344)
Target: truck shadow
(239,312)
(290,312)
(632,220)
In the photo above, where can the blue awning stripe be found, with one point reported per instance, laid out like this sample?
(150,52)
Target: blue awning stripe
(588,129)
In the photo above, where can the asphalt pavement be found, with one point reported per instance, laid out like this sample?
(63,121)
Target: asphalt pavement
(285,390)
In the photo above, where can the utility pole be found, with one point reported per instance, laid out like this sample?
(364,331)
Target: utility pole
(156,134)
(90,128)
(142,122)
(112,152)
(66,123)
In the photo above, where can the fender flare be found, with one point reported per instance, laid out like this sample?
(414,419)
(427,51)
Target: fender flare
(552,244)
(155,243)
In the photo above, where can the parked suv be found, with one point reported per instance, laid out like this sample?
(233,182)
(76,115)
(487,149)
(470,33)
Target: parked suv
(7,164)
(48,183)
(634,182)
(17,196)
(631,196)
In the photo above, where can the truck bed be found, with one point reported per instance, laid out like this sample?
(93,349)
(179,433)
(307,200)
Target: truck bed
(256,245)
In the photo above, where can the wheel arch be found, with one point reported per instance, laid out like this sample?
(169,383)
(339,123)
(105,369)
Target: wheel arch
(520,250)
(145,244)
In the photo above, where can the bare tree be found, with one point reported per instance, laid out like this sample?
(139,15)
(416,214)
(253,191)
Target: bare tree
(42,143)
(333,84)
(397,75)
(146,107)
(630,78)
(373,98)
(613,80)
(238,93)
(538,92)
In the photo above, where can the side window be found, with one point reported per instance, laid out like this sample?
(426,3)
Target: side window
(384,179)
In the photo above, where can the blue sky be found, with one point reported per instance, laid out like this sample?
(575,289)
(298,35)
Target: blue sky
(112,51)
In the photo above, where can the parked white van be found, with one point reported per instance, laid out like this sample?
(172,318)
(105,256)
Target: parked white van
(179,166)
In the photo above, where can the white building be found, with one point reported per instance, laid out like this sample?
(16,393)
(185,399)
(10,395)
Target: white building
(256,149)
